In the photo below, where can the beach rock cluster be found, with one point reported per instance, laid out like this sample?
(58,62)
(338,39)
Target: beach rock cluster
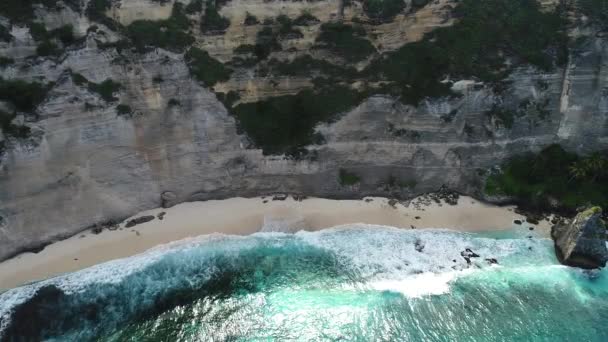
(582,242)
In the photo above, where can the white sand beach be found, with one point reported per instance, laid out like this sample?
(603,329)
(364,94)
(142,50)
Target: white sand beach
(247,216)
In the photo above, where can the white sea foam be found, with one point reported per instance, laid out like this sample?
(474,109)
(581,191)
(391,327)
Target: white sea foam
(415,263)
(383,258)
(419,285)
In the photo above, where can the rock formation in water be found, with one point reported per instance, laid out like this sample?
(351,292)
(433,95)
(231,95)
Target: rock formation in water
(111,107)
(582,242)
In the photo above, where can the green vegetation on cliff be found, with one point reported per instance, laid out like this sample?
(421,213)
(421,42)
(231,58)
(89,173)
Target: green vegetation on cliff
(5,34)
(24,96)
(346,41)
(383,10)
(22,11)
(285,124)
(490,39)
(596,10)
(10,129)
(212,21)
(347,178)
(553,177)
(205,68)
(168,34)
(105,89)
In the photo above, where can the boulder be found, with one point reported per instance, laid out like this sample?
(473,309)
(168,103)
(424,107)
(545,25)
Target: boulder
(168,199)
(581,242)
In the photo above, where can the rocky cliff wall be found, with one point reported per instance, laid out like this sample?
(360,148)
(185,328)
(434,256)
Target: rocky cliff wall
(85,163)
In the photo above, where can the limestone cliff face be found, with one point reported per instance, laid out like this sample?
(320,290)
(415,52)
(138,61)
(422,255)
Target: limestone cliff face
(84,163)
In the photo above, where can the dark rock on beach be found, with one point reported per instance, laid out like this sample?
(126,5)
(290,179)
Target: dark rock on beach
(581,242)
(139,220)
(168,199)
(419,245)
(279,197)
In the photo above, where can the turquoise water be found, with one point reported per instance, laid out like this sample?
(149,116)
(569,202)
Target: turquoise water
(356,283)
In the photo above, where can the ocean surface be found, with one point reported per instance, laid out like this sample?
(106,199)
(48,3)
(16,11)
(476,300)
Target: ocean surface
(349,283)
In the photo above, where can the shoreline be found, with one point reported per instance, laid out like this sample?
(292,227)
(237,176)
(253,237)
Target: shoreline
(244,216)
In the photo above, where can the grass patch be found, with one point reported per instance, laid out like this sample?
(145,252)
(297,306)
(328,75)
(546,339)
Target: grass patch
(24,96)
(535,179)
(346,41)
(285,124)
(166,34)
(348,178)
(205,68)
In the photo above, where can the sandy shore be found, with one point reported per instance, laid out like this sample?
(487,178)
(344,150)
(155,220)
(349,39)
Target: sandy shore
(247,216)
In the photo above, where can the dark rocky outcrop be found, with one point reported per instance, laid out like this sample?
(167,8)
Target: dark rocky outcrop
(139,220)
(581,242)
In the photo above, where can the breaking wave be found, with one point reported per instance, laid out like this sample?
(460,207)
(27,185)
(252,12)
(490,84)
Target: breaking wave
(356,282)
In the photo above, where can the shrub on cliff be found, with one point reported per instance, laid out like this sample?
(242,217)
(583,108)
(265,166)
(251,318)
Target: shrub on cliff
(167,34)
(383,10)
(205,68)
(250,19)
(212,21)
(10,129)
(23,95)
(106,89)
(346,41)
(348,178)
(285,124)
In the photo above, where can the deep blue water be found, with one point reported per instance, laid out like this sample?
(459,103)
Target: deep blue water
(360,283)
